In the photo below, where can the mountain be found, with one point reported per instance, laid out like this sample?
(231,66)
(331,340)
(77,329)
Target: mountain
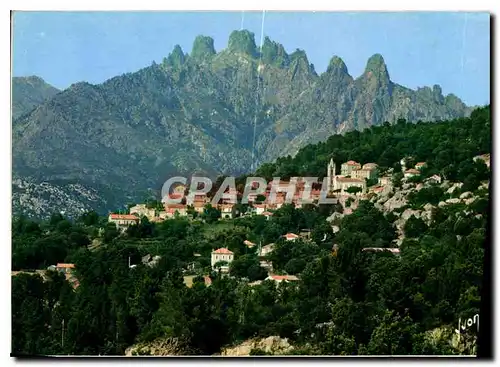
(29,92)
(204,112)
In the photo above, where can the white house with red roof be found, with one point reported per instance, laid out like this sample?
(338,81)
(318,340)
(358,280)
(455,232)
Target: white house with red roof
(291,236)
(222,254)
(142,210)
(349,166)
(412,172)
(172,209)
(282,278)
(123,220)
(65,268)
(420,165)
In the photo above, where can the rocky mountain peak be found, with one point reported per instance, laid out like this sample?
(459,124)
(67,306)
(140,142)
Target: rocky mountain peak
(203,48)
(176,57)
(274,53)
(377,68)
(242,42)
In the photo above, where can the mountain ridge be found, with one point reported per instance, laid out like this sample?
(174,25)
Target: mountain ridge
(198,112)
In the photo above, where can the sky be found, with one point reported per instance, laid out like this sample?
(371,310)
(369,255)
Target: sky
(420,49)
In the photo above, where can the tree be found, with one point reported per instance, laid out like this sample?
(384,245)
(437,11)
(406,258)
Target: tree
(414,227)
(353,189)
(211,214)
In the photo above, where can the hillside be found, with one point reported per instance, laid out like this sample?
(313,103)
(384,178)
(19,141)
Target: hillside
(29,92)
(196,112)
(389,272)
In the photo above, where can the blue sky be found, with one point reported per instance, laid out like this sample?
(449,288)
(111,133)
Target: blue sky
(420,49)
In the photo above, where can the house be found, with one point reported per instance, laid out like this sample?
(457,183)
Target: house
(280,278)
(65,268)
(199,206)
(222,254)
(266,264)
(436,179)
(259,208)
(142,210)
(411,173)
(369,171)
(349,166)
(226,211)
(305,233)
(343,183)
(123,220)
(265,250)
(172,209)
(290,236)
(377,189)
(363,174)
(370,166)
(385,180)
(420,165)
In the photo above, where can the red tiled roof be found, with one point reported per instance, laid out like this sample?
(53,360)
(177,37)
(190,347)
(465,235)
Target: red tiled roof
(207,279)
(222,250)
(347,179)
(290,235)
(283,277)
(175,206)
(248,243)
(420,164)
(267,213)
(175,196)
(123,216)
(62,265)
(352,163)
(412,170)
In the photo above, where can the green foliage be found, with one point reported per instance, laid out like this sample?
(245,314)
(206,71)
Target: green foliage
(354,189)
(432,195)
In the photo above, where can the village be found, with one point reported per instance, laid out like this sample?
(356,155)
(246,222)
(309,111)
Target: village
(348,189)
(350,186)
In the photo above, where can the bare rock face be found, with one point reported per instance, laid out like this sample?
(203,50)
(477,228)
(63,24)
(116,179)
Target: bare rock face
(453,201)
(428,207)
(408,213)
(270,345)
(159,347)
(395,202)
(335,216)
(469,201)
(466,195)
(445,185)
(454,187)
